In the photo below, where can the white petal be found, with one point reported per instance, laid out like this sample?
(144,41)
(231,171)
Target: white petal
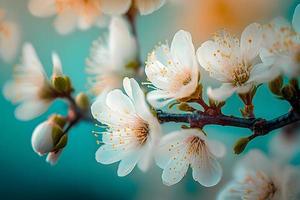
(41,139)
(57,67)
(53,157)
(147,157)
(176,168)
(221,93)
(216,148)
(290,183)
(134,91)
(115,7)
(42,8)
(30,58)
(66,22)
(9,42)
(251,42)
(128,163)
(122,44)
(296,19)
(148,6)
(182,49)
(107,154)
(206,169)
(159,98)
(254,160)
(262,73)
(29,110)
(117,101)
(230,192)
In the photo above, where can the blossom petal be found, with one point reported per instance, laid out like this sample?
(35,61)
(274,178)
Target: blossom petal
(251,41)
(148,6)
(116,7)
(128,163)
(221,93)
(108,154)
(31,60)
(117,101)
(42,8)
(296,19)
(230,192)
(206,169)
(182,49)
(216,148)
(159,98)
(66,22)
(53,157)
(57,66)
(9,42)
(262,73)
(29,110)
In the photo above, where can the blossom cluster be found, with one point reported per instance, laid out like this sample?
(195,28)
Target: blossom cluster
(131,132)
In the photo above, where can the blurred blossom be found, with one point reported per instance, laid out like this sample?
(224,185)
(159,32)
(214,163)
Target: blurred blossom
(30,86)
(257,177)
(173,71)
(118,7)
(282,46)
(9,38)
(71,14)
(234,62)
(286,145)
(181,149)
(132,132)
(112,58)
(204,17)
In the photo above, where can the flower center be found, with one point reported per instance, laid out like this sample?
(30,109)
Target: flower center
(258,186)
(240,75)
(196,145)
(142,132)
(180,80)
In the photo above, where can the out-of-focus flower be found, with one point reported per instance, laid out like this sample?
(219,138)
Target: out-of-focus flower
(257,177)
(49,138)
(30,86)
(181,149)
(228,14)
(282,46)
(145,7)
(132,131)
(285,146)
(71,14)
(173,71)
(112,58)
(9,38)
(234,62)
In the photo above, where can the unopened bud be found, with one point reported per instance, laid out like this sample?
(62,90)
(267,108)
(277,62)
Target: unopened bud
(82,101)
(240,145)
(58,119)
(61,84)
(288,92)
(48,136)
(134,65)
(276,85)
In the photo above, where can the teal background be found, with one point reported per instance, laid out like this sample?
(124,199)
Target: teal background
(25,175)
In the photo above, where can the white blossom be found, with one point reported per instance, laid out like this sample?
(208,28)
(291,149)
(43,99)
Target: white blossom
(257,177)
(110,56)
(234,62)
(145,7)
(173,71)
(30,87)
(9,38)
(281,47)
(132,131)
(71,14)
(181,149)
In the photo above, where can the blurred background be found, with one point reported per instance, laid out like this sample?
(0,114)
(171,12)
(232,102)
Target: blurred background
(25,175)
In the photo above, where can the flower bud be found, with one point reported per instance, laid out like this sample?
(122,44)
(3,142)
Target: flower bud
(288,92)
(82,101)
(240,145)
(52,157)
(276,85)
(62,84)
(49,136)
